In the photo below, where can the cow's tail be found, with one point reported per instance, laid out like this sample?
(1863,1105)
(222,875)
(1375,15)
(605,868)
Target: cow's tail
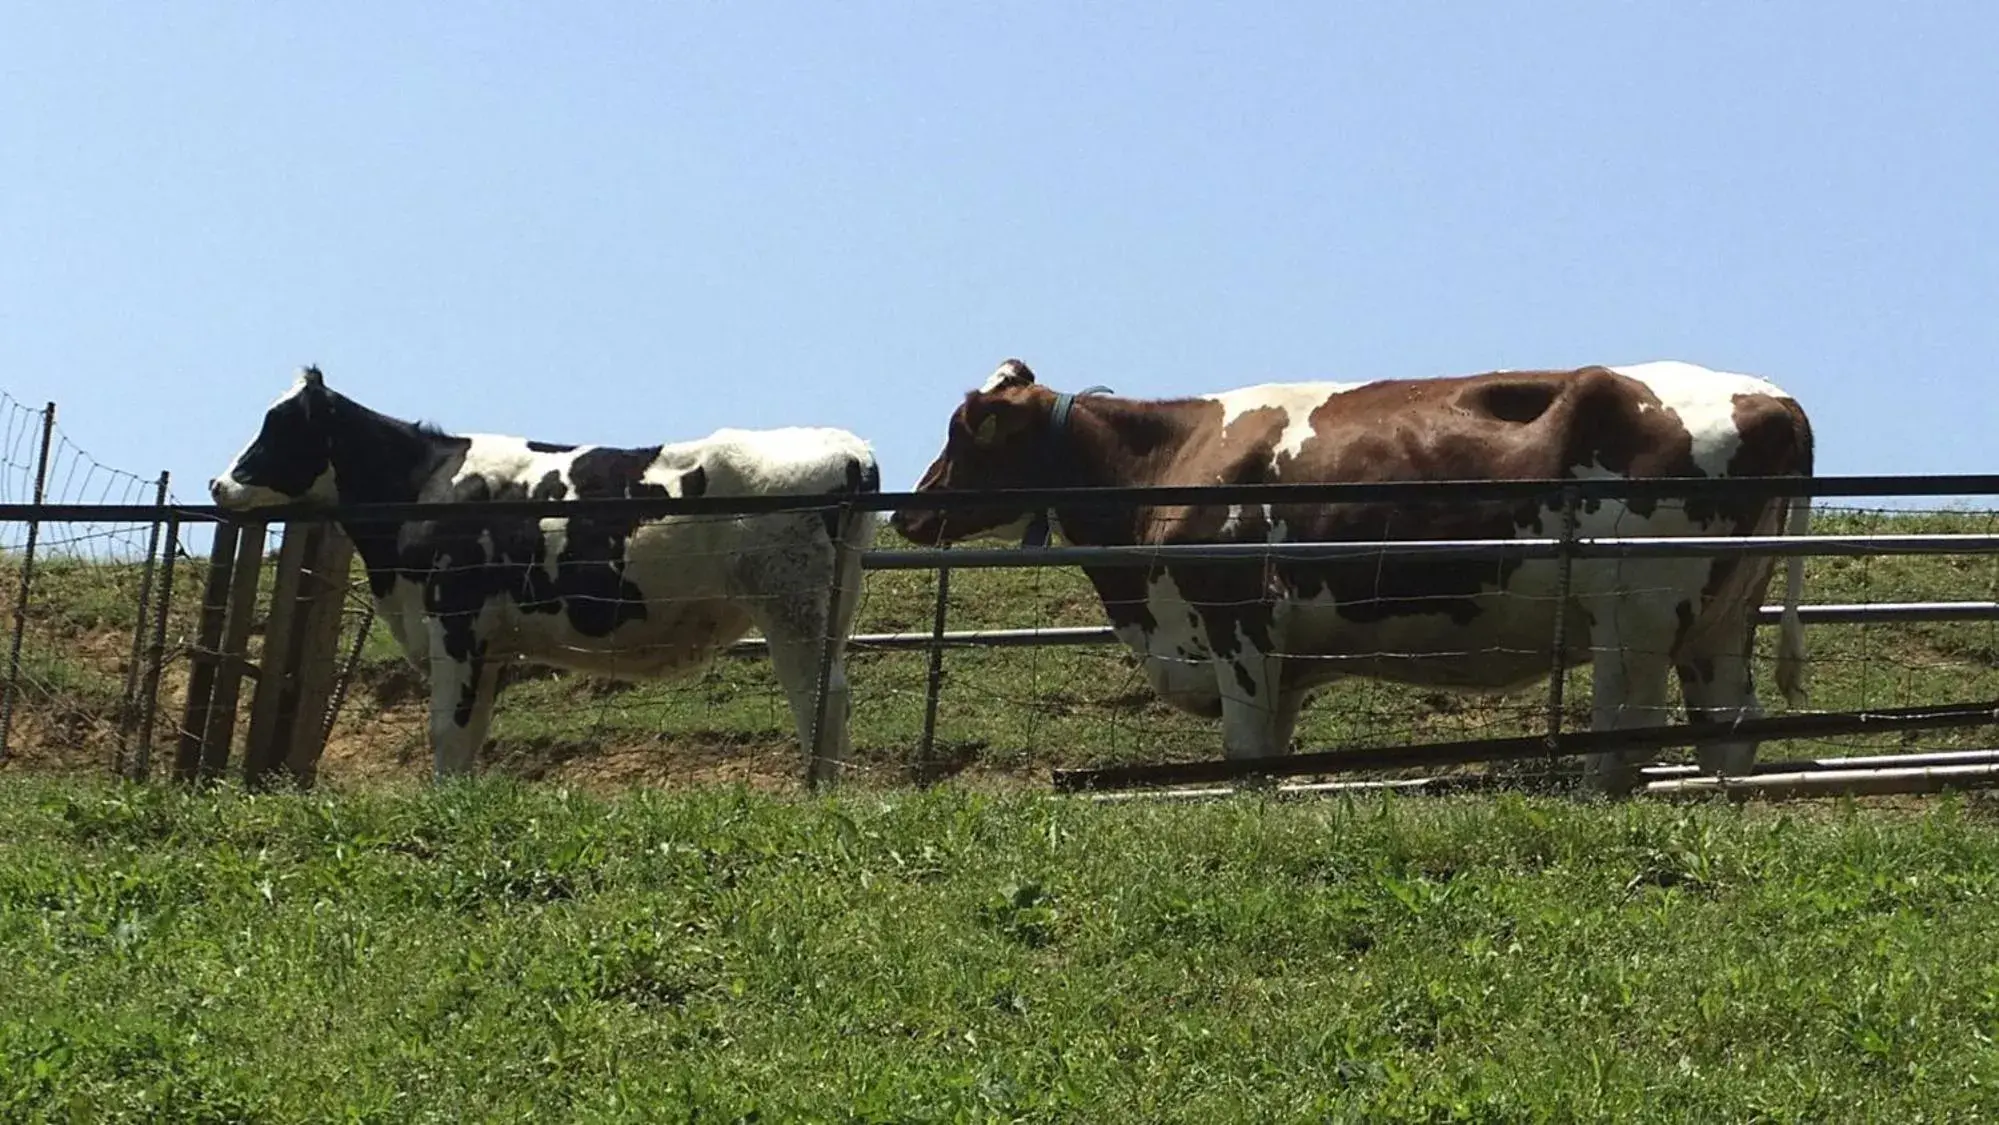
(853,533)
(1791,628)
(858,534)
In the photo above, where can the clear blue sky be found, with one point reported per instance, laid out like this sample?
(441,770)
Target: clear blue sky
(631,223)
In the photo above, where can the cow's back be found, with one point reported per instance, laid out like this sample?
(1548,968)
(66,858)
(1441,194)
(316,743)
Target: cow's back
(1481,624)
(723,554)
(623,595)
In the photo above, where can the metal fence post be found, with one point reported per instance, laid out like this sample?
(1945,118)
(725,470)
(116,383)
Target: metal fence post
(345,679)
(12,688)
(156,652)
(828,646)
(933,685)
(1565,558)
(129,709)
(206,651)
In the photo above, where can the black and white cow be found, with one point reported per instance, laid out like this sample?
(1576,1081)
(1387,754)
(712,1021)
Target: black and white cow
(620,597)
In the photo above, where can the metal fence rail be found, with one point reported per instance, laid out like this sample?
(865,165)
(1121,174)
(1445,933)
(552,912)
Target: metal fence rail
(1565,494)
(1976,713)
(1441,550)
(1429,492)
(1846,613)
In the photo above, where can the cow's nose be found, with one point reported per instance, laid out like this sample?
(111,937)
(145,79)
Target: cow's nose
(215,488)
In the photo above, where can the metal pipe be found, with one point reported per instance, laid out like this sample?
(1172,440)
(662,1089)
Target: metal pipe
(1558,677)
(1826,725)
(1066,636)
(1442,550)
(156,654)
(1459,491)
(12,688)
(1868,761)
(829,647)
(1817,783)
(1837,783)
(933,683)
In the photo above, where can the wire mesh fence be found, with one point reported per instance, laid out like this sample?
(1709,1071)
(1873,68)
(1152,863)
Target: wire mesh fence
(74,597)
(1015,711)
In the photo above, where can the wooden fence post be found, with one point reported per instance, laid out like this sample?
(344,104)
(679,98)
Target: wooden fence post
(288,716)
(232,662)
(263,746)
(322,597)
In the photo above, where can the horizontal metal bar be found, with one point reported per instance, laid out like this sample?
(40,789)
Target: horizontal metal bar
(1436,550)
(1909,760)
(1884,613)
(1783,546)
(1311,789)
(1858,766)
(1837,783)
(1824,725)
(1440,492)
(971,638)
(1838,613)
(1769,786)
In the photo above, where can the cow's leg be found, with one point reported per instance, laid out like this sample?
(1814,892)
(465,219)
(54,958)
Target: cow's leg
(1290,702)
(1633,640)
(463,685)
(1257,716)
(796,625)
(1719,686)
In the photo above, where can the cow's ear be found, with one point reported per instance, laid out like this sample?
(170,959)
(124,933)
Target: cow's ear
(1012,373)
(995,422)
(311,392)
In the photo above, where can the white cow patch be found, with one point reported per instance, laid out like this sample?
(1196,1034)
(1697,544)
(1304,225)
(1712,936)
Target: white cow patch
(1175,652)
(1704,401)
(1296,400)
(1007,374)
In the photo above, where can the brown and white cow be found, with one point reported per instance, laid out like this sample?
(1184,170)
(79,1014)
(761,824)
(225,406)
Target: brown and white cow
(1247,642)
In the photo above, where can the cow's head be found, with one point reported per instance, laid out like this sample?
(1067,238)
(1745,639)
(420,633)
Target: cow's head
(997,440)
(291,458)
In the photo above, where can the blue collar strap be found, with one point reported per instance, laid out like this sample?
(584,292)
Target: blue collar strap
(1057,454)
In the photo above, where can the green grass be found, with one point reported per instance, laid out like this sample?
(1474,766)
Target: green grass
(1003,712)
(501,951)
(497,951)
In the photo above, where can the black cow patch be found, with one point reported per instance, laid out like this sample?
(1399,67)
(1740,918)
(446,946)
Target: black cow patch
(550,487)
(1243,679)
(549,447)
(468,694)
(468,560)
(860,479)
(292,449)
(591,567)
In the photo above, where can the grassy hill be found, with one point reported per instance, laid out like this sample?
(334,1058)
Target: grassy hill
(586,949)
(1005,715)
(500,952)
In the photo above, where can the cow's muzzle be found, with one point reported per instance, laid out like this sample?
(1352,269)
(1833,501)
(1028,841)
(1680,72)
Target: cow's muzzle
(922,528)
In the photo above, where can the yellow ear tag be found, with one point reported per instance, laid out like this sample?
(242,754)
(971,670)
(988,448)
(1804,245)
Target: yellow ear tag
(988,431)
